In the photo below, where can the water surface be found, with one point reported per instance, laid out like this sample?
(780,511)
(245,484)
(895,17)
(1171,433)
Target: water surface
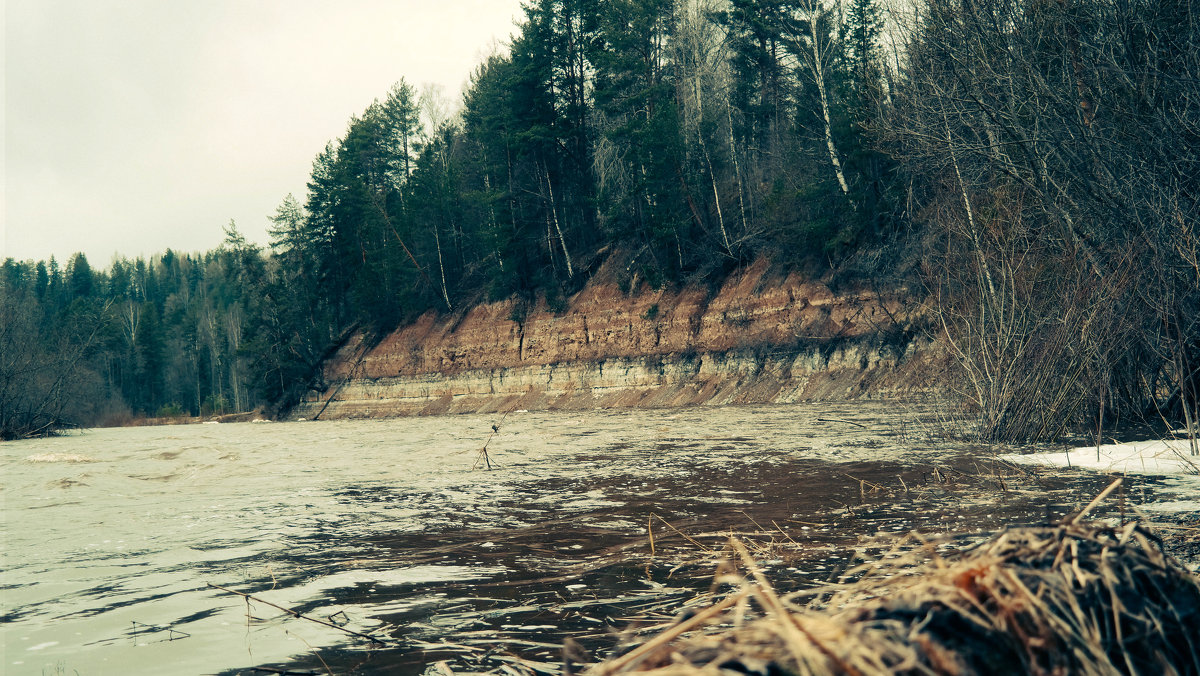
(396,528)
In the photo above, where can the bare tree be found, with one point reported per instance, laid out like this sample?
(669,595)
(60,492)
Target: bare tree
(1066,132)
(45,385)
(813,42)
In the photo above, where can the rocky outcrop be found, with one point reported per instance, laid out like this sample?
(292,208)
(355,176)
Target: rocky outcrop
(760,338)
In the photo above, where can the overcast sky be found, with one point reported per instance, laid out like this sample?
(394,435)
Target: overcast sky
(133,126)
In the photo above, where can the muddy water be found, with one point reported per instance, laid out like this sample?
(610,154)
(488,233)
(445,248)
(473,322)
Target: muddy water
(397,529)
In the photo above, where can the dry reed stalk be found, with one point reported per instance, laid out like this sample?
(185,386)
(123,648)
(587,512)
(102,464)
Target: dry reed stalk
(1070,598)
(685,536)
(635,656)
(1095,501)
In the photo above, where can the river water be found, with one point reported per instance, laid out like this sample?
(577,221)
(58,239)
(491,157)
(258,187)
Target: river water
(398,529)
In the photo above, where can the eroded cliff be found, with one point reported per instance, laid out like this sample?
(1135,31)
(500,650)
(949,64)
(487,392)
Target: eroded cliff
(761,337)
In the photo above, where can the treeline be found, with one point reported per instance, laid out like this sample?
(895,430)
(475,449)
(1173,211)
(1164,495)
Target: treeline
(1031,164)
(158,337)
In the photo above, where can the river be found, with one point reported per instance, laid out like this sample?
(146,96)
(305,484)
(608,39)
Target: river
(397,528)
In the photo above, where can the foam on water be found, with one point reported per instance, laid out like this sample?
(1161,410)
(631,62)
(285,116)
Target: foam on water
(59,457)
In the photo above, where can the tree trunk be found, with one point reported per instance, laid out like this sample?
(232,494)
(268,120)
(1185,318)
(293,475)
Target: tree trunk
(554,213)
(817,64)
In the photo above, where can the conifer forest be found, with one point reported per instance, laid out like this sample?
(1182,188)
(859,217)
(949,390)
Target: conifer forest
(1028,169)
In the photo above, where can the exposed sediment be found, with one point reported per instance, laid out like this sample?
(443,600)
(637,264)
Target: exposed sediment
(761,338)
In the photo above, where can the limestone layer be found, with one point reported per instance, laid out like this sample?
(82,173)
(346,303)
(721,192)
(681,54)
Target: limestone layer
(761,338)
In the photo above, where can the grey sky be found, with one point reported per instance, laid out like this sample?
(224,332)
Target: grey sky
(132,126)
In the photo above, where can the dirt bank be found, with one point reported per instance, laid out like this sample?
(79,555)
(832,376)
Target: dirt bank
(761,337)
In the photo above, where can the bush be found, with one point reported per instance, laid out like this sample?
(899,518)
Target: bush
(214,404)
(171,410)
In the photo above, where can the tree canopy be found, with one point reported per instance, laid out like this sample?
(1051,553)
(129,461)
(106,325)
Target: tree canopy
(1031,165)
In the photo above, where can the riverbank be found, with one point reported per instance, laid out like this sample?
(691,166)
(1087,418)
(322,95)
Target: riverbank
(148,421)
(761,338)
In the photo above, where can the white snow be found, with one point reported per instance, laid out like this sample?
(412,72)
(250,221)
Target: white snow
(1178,489)
(1143,457)
(1172,506)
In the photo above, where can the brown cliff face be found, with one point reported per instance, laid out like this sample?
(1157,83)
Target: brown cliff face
(760,338)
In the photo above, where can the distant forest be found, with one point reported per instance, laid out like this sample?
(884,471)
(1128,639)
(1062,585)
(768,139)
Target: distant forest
(1029,168)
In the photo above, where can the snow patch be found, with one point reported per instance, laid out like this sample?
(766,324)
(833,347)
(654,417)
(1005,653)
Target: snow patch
(1185,506)
(1145,457)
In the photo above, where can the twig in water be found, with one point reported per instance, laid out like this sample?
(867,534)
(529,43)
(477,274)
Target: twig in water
(848,422)
(315,654)
(862,487)
(685,535)
(784,533)
(302,616)
(483,454)
(173,634)
(757,525)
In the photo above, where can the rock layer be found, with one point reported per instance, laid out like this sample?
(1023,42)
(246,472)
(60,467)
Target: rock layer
(759,338)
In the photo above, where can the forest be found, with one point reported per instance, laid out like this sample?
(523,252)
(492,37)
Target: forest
(1030,169)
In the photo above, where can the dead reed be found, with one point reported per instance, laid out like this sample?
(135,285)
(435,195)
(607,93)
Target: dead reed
(1069,598)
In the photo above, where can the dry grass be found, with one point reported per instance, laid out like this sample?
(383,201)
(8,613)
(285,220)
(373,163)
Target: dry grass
(1066,599)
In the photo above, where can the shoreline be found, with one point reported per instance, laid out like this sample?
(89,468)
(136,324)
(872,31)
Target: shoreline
(255,415)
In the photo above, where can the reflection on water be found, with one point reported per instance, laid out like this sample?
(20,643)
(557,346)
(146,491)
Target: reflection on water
(111,537)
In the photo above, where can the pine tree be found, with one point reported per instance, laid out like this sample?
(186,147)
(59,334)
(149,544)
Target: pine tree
(79,275)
